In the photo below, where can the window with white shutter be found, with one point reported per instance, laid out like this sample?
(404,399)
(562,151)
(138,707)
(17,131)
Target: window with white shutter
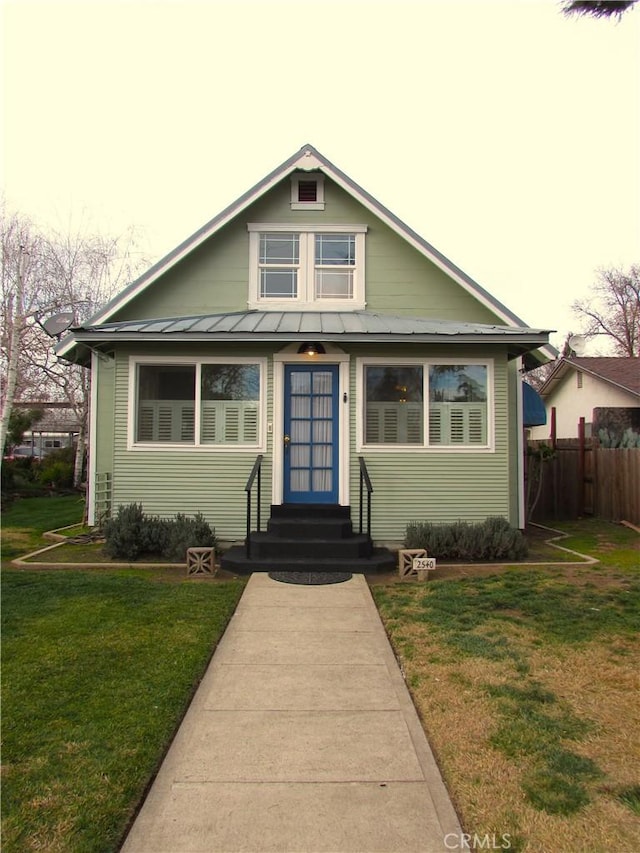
(203,404)
(426,404)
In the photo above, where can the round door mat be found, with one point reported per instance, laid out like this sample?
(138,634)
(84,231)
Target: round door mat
(310,578)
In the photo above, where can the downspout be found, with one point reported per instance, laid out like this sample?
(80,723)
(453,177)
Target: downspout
(520,451)
(91,463)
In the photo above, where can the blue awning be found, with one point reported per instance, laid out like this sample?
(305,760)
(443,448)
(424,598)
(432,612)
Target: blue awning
(533,410)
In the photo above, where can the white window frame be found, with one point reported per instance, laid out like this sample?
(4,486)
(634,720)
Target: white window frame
(296,204)
(305,297)
(425,364)
(196,447)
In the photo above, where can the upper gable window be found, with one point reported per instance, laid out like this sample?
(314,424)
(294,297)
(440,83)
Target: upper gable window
(307,191)
(304,266)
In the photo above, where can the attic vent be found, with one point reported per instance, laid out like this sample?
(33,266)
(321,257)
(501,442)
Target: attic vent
(307,191)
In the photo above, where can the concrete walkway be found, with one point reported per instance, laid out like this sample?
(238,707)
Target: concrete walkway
(301,738)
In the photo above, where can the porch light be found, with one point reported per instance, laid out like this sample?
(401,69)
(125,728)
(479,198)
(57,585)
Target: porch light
(311,349)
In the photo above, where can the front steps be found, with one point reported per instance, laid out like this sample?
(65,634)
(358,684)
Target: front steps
(309,538)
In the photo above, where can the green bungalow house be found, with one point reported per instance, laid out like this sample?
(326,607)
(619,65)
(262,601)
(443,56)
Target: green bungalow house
(307,335)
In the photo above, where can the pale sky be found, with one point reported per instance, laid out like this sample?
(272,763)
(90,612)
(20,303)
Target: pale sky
(505,134)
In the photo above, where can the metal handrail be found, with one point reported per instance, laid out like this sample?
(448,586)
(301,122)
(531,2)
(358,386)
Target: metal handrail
(365,481)
(256,471)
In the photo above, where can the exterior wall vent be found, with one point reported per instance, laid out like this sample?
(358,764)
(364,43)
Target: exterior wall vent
(307,191)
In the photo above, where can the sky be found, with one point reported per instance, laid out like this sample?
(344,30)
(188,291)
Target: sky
(504,133)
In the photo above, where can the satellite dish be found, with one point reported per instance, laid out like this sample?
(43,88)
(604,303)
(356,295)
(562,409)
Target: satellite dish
(578,344)
(58,324)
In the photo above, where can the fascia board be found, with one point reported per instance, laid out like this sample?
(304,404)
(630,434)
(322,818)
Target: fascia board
(532,342)
(422,246)
(299,160)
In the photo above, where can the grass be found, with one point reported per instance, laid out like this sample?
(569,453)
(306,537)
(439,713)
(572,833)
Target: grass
(98,668)
(25,520)
(526,681)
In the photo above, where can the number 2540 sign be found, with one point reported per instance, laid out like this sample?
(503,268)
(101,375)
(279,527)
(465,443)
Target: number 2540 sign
(422,563)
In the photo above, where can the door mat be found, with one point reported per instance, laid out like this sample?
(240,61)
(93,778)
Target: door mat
(311,578)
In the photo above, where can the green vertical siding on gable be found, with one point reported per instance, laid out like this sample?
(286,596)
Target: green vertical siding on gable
(214,278)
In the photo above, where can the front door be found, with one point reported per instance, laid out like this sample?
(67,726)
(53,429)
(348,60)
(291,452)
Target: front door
(311,433)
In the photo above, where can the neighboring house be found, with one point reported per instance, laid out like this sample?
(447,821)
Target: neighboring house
(307,324)
(57,427)
(581,385)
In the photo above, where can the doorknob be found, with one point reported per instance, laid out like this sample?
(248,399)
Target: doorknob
(286,439)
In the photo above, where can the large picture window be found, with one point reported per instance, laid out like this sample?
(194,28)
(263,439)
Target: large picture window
(426,404)
(198,404)
(306,266)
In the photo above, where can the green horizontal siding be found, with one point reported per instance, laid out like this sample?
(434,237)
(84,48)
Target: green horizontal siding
(168,481)
(416,485)
(432,485)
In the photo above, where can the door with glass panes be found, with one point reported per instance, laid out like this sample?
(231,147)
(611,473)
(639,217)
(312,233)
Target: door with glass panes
(311,455)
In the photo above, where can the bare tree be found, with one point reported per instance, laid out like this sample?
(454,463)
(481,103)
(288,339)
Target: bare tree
(86,269)
(597,8)
(23,294)
(44,274)
(613,309)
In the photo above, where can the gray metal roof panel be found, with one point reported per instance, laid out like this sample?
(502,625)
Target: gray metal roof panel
(282,323)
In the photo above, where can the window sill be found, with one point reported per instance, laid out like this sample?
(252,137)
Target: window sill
(420,448)
(295,305)
(309,205)
(161,447)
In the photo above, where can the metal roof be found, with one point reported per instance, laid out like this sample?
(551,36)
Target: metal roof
(284,326)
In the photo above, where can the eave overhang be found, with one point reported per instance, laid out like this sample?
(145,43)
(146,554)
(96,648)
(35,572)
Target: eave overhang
(283,327)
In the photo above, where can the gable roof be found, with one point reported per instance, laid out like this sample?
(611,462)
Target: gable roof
(306,159)
(620,372)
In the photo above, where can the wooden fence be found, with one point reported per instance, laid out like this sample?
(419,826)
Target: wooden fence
(581,478)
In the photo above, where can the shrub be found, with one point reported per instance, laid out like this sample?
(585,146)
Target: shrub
(56,468)
(188,533)
(131,534)
(123,533)
(492,539)
(58,474)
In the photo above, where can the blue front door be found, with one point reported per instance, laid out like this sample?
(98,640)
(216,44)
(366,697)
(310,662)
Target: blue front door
(311,433)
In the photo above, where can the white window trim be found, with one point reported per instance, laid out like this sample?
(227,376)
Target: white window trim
(425,447)
(161,446)
(318,204)
(306,280)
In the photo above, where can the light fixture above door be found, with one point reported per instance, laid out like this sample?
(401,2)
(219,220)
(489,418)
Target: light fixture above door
(311,349)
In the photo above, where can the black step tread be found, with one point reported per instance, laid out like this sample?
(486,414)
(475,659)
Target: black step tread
(310,511)
(305,528)
(235,560)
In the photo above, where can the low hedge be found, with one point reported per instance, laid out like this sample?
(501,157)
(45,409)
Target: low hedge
(492,539)
(131,534)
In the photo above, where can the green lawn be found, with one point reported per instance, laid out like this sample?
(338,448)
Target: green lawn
(98,669)
(25,520)
(526,679)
